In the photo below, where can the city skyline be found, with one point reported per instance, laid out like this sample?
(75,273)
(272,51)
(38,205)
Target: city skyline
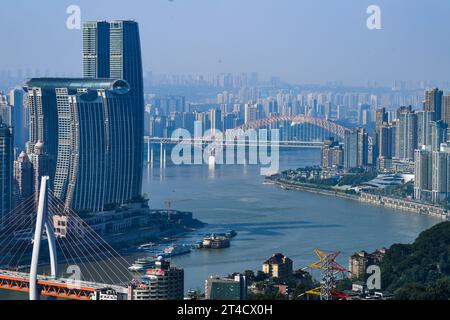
(330,43)
(233,180)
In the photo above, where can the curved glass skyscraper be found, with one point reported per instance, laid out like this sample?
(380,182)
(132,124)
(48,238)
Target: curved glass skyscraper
(96,153)
(93,127)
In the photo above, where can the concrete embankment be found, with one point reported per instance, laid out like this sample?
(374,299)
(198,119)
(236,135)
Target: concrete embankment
(388,202)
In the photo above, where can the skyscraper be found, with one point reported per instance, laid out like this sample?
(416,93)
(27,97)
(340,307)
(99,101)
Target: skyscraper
(406,133)
(122,41)
(95,163)
(351,149)
(16,100)
(6,171)
(424,119)
(5,111)
(446,109)
(96,37)
(422,175)
(41,165)
(23,177)
(433,103)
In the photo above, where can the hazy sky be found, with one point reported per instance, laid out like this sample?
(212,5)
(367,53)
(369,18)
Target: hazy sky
(303,41)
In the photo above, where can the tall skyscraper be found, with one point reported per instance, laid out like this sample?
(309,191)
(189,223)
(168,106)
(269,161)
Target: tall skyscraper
(424,119)
(438,134)
(422,175)
(6,171)
(95,163)
(5,110)
(356,148)
(433,103)
(41,166)
(122,41)
(406,133)
(432,174)
(381,116)
(351,149)
(446,109)
(96,56)
(23,177)
(16,100)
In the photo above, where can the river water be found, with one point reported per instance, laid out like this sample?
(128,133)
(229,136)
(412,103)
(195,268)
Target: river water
(268,219)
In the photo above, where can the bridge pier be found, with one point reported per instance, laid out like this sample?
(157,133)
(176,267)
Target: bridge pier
(41,223)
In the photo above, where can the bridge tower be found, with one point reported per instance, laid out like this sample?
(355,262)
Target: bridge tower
(42,222)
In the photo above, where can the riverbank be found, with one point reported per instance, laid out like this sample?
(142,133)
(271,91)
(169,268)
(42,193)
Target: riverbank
(382,201)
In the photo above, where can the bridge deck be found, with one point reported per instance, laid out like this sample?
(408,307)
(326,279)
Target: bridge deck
(60,288)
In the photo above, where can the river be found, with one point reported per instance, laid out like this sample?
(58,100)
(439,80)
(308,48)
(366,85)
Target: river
(269,219)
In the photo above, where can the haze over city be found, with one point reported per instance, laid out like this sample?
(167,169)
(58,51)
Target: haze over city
(299,41)
(253,151)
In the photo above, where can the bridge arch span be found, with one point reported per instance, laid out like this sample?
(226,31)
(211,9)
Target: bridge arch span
(332,127)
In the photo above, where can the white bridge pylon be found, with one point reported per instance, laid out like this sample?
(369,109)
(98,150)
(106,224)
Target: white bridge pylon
(41,222)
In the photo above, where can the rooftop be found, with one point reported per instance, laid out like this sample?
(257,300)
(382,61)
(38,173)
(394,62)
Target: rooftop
(118,86)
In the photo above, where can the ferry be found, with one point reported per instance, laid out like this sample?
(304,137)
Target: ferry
(142,264)
(176,250)
(216,242)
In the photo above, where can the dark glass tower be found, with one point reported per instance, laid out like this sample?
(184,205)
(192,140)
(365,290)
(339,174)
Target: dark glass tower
(121,40)
(95,161)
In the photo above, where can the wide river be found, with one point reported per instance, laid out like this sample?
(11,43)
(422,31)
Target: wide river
(268,219)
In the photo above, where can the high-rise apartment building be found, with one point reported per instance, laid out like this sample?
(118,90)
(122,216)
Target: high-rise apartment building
(121,40)
(23,177)
(96,49)
(332,154)
(446,109)
(95,163)
(42,166)
(16,100)
(433,103)
(5,110)
(438,132)
(424,119)
(162,282)
(432,174)
(406,133)
(422,174)
(6,171)
(356,148)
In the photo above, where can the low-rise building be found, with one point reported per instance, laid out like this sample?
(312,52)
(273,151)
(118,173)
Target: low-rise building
(163,282)
(360,261)
(226,289)
(278,266)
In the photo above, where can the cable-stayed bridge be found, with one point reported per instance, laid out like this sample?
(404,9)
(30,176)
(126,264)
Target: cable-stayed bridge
(41,232)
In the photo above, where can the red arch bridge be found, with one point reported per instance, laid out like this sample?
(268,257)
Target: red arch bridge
(294,132)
